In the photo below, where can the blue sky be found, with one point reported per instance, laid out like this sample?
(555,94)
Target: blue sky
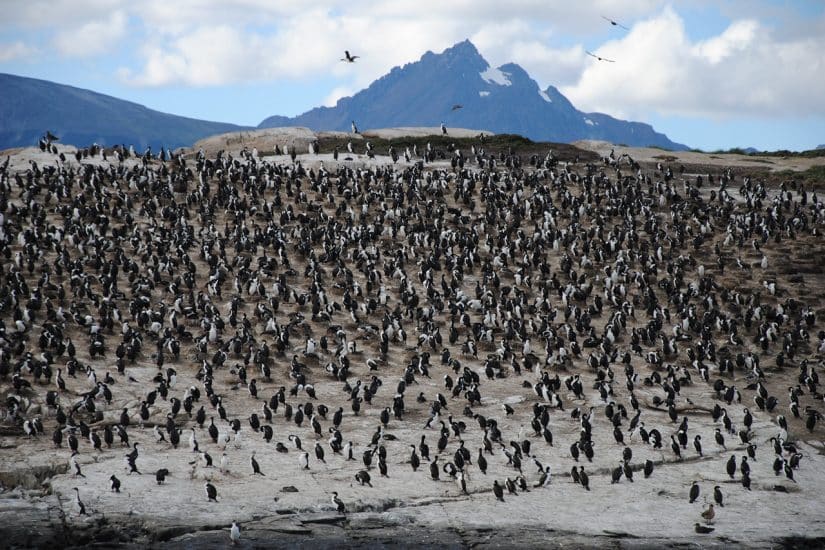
(711,74)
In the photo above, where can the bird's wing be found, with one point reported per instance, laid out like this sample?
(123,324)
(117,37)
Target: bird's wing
(614,23)
(599,57)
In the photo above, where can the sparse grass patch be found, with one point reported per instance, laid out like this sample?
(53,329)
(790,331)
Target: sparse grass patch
(813,153)
(813,176)
(496,144)
(731,151)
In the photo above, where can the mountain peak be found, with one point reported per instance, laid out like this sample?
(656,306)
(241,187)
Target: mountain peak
(463,48)
(463,53)
(503,100)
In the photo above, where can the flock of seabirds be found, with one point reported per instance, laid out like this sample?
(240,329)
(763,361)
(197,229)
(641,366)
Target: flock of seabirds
(297,300)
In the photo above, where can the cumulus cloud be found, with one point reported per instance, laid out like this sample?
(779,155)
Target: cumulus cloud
(14,50)
(222,54)
(61,14)
(547,65)
(306,45)
(287,39)
(748,68)
(91,38)
(736,38)
(745,70)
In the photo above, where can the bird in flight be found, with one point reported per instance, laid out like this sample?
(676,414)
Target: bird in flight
(349,58)
(599,58)
(456,107)
(614,23)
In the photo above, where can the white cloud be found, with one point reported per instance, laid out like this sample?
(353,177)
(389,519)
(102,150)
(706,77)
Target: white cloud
(749,68)
(92,38)
(736,38)
(745,70)
(14,50)
(309,44)
(62,14)
(174,38)
(220,54)
(264,40)
(581,17)
(556,66)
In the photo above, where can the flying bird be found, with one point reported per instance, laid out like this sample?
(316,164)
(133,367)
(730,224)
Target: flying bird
(614,23)
(599,58)
(456,107)
(349,58)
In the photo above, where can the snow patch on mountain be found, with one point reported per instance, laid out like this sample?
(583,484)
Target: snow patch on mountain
(496,76)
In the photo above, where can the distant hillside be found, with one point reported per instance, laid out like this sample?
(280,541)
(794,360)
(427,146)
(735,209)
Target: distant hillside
(81,117)
(503,100)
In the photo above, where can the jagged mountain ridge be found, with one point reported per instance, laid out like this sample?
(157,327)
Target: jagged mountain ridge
(502,100)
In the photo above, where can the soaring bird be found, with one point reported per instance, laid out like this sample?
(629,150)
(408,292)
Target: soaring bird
(349,58)
(457,106)
(599,57)
(615,24)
